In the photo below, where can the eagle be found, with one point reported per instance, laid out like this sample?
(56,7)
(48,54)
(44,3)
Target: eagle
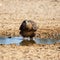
(28,29)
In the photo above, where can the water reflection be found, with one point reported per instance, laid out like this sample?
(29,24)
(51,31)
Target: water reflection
(27,42)
(45,41)
(19,40)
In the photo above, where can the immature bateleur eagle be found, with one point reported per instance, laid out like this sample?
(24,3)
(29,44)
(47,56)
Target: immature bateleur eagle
(28,29)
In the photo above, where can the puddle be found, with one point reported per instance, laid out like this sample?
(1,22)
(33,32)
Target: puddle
(18,40)
(46,41)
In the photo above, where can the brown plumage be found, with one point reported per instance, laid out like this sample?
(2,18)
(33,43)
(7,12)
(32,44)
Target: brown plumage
(28,28)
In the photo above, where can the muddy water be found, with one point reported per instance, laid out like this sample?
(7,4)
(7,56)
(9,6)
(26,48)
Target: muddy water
(18,40)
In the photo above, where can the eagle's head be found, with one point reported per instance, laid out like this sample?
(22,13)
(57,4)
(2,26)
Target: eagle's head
(28,24)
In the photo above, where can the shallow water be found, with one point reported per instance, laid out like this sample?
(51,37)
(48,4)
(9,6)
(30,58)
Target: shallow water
(18,40)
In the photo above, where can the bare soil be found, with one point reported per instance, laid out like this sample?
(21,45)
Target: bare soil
(46,14)
(30,52)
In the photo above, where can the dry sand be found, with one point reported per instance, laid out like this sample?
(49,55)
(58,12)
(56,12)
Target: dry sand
(30,52)
(46,13)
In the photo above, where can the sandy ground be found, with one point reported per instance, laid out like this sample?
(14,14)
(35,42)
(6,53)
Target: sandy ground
(30,52)
(46,13)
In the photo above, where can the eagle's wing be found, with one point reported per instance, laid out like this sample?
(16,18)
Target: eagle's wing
(20,28)
(34,26)
(23,26)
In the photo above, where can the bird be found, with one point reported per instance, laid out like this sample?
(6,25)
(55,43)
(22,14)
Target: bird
(28,29)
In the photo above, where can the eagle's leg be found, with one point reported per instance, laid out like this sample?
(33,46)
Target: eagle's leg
(24,38)
(31,38)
